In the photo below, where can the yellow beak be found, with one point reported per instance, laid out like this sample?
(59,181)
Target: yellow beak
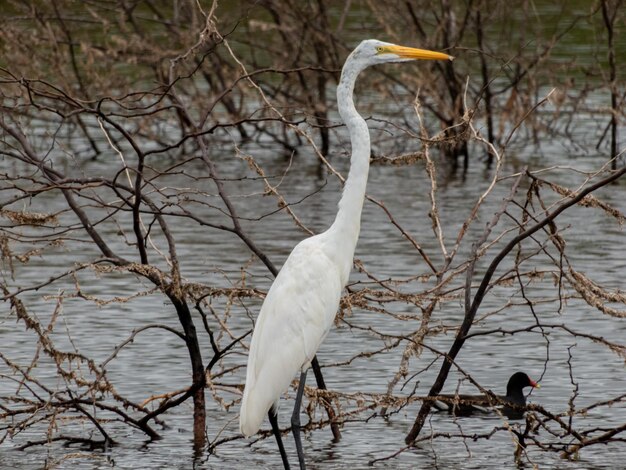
(412,53)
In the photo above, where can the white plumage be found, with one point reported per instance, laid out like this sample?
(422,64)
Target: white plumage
(293,322)
(301,304)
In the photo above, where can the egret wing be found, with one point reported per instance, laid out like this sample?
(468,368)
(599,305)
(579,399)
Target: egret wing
(296,316)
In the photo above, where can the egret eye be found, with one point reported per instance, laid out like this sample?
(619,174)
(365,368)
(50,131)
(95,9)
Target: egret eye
(380,49)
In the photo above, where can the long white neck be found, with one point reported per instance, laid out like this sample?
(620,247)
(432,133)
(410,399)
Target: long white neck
(347,223)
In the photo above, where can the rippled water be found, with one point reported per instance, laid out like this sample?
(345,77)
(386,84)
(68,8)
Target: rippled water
(158,362)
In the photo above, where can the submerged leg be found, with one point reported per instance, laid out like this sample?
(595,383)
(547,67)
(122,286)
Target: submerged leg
(276,430)
(295,420)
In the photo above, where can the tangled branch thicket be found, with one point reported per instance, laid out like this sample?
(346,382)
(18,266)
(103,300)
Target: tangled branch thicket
(136,134)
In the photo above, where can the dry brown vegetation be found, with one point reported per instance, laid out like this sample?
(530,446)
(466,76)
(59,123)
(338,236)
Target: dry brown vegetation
(121,121)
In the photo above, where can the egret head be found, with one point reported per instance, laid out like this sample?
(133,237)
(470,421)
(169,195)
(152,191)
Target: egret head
(372,51)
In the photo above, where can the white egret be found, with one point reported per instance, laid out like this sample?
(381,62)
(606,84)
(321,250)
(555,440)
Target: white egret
(301,304)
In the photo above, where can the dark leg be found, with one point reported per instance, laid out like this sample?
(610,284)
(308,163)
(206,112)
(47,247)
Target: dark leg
(295,420)
(319,378)
(276,430)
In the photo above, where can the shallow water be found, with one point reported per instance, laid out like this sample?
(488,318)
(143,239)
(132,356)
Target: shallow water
(157,361)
